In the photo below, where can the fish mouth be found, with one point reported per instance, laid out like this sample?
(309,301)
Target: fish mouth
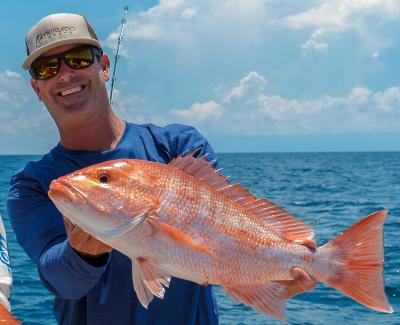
(66,192)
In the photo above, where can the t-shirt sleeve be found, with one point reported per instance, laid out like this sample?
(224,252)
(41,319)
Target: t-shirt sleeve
(40,231)
(189,140)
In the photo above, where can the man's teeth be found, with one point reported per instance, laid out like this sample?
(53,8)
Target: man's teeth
(71,91)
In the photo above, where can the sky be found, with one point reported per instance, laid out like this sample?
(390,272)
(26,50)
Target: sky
(251,76)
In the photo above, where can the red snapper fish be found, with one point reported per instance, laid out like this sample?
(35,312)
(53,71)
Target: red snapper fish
(186,220)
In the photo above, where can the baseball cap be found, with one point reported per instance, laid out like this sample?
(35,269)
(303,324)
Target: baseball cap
(57,30)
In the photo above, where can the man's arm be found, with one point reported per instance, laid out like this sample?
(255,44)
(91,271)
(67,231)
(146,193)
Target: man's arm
(40,231)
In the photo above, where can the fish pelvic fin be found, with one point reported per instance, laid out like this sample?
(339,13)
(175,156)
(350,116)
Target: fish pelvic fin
(356,257)
(174,236)
(269,299)
(148,281)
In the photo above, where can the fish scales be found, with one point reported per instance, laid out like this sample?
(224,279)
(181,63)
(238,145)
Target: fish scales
(187,220)
(233,226)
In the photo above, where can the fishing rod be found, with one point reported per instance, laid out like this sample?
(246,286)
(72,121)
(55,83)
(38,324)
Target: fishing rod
(114,77)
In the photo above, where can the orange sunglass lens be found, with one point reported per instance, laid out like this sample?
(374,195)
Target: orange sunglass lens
(46,68)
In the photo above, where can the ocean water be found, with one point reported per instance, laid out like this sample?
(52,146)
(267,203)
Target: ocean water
(330,191)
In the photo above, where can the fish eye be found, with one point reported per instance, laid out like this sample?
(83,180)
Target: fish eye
(104,178)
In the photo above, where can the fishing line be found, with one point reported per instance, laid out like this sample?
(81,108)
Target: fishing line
(114,76)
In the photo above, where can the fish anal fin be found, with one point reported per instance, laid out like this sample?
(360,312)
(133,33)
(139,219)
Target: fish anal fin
(148,281)
(269,299)
(173,235)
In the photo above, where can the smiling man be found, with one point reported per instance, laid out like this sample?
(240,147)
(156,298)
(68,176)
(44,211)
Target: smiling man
(91,282)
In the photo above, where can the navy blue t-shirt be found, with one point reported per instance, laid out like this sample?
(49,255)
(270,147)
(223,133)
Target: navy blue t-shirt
(85,294)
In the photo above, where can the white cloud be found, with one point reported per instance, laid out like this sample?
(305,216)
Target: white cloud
(170,4)
(313,45)
(250,82)
(375,55)
(209,35)
(189,13)
(159,22)
(184,50)
(145,32)
(199,112)
(11,74)
(342,14)
(256,112)
(174,20)
(13,89)
(335,17)
(17,113)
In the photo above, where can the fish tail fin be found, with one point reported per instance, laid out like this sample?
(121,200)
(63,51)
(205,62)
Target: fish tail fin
(355,260)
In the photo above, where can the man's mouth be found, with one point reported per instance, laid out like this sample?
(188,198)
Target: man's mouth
(72,90)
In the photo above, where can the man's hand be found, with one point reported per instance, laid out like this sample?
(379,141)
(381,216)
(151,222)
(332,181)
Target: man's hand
(310,243)
(302,280)
(83,243)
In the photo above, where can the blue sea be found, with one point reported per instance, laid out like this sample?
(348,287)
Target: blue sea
(330,191)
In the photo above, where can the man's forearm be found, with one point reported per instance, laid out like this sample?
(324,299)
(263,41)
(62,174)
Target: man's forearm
(67,274)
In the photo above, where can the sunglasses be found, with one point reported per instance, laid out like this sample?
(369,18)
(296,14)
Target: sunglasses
(77,58)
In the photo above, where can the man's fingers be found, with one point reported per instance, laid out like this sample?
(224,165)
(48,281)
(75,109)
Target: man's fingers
(303,279)
(83,242)
(310,243)
(68,225)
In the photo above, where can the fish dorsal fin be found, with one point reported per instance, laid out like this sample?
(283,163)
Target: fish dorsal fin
(280,220)
(273,216)
(200,168)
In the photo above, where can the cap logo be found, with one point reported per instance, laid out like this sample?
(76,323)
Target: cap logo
(43,38)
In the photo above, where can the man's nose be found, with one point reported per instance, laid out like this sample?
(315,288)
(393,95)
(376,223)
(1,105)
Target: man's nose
(65,73)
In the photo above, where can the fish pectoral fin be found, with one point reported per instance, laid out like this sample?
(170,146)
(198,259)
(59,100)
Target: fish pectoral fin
(173,235)
(269,298)
(148,281)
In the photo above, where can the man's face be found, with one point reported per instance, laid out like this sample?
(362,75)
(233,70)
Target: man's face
(72,95)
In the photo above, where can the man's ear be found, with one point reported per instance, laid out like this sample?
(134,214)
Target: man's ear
(105,64)
(35,87)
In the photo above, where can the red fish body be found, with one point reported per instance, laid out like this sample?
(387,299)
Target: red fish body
(186,220)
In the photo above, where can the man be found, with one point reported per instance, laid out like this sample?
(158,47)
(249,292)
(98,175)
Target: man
(91,282)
